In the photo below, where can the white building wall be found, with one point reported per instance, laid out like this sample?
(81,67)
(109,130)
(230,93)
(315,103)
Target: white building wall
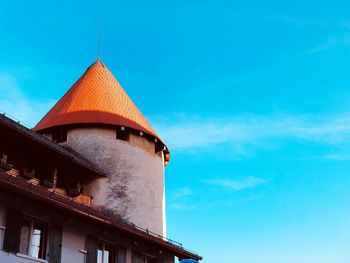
(13,258)
(134,189)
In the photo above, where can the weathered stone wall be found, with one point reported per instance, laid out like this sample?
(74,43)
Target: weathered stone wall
(134,189)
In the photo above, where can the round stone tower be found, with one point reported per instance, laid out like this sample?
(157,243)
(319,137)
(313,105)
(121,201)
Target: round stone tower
(97,119)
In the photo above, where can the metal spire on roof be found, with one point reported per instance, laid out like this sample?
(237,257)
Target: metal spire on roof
(99,39)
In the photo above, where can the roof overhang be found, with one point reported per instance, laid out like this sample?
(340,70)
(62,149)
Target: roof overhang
(51,146)
(42,194)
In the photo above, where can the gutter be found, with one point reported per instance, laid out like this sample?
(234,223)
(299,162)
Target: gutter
(41,193)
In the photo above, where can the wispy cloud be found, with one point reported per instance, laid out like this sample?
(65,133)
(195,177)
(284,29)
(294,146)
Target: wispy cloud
(289,19)
(183,206)
(182,192)
(328,43)
(181,199)
(302,22)
(238,185)
(331,43)
(188,133)
(14,102)
(336,157)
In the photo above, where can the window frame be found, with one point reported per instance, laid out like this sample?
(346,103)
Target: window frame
(43,237)
(145,258)
(104,244)
(59,135)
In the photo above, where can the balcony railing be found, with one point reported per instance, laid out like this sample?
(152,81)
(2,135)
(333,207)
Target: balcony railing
(86,202)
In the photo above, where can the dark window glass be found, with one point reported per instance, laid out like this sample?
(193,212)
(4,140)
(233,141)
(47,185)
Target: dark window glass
(59,135)
(121,255)
(123,135)
(151,260)
(139,258)
(158,147)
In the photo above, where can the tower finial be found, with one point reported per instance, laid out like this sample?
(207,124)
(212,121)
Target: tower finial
(99,39)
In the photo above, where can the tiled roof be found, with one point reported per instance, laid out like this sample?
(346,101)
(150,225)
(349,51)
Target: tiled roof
(65,151)
(96,98)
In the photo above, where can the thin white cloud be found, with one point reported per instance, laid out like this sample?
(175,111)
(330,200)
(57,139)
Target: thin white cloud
(307,22)
(289,19)
(180,199)
(182,192)
(15,103)
(330,43)
(336,157)
(183,206)
(237,185)
(194,134)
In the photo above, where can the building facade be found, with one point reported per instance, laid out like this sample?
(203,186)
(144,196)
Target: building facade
(87,183)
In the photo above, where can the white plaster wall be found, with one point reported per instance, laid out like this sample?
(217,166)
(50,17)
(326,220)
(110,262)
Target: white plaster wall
(134,189)
(12,258)
(73,241)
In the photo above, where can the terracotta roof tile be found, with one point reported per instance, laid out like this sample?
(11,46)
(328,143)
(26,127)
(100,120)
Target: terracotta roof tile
(96,97)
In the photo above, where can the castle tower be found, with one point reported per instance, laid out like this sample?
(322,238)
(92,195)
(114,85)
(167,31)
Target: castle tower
(98,119)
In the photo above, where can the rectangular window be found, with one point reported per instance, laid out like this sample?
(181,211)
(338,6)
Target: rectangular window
(59,135)
(29,236)
(146,259)
(33,236)
(150,260)
(158,147)
(122,135)
(105,253)
(139,258)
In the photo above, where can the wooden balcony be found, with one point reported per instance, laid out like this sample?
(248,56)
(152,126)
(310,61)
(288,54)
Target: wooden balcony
(81,198)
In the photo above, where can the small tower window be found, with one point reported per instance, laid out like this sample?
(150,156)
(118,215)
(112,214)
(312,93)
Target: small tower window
(59,135)
(158,146)
(123,134)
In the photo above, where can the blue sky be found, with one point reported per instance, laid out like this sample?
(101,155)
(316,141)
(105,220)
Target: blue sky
(253,99)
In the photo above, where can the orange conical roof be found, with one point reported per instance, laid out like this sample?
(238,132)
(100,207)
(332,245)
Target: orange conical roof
(96,98)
